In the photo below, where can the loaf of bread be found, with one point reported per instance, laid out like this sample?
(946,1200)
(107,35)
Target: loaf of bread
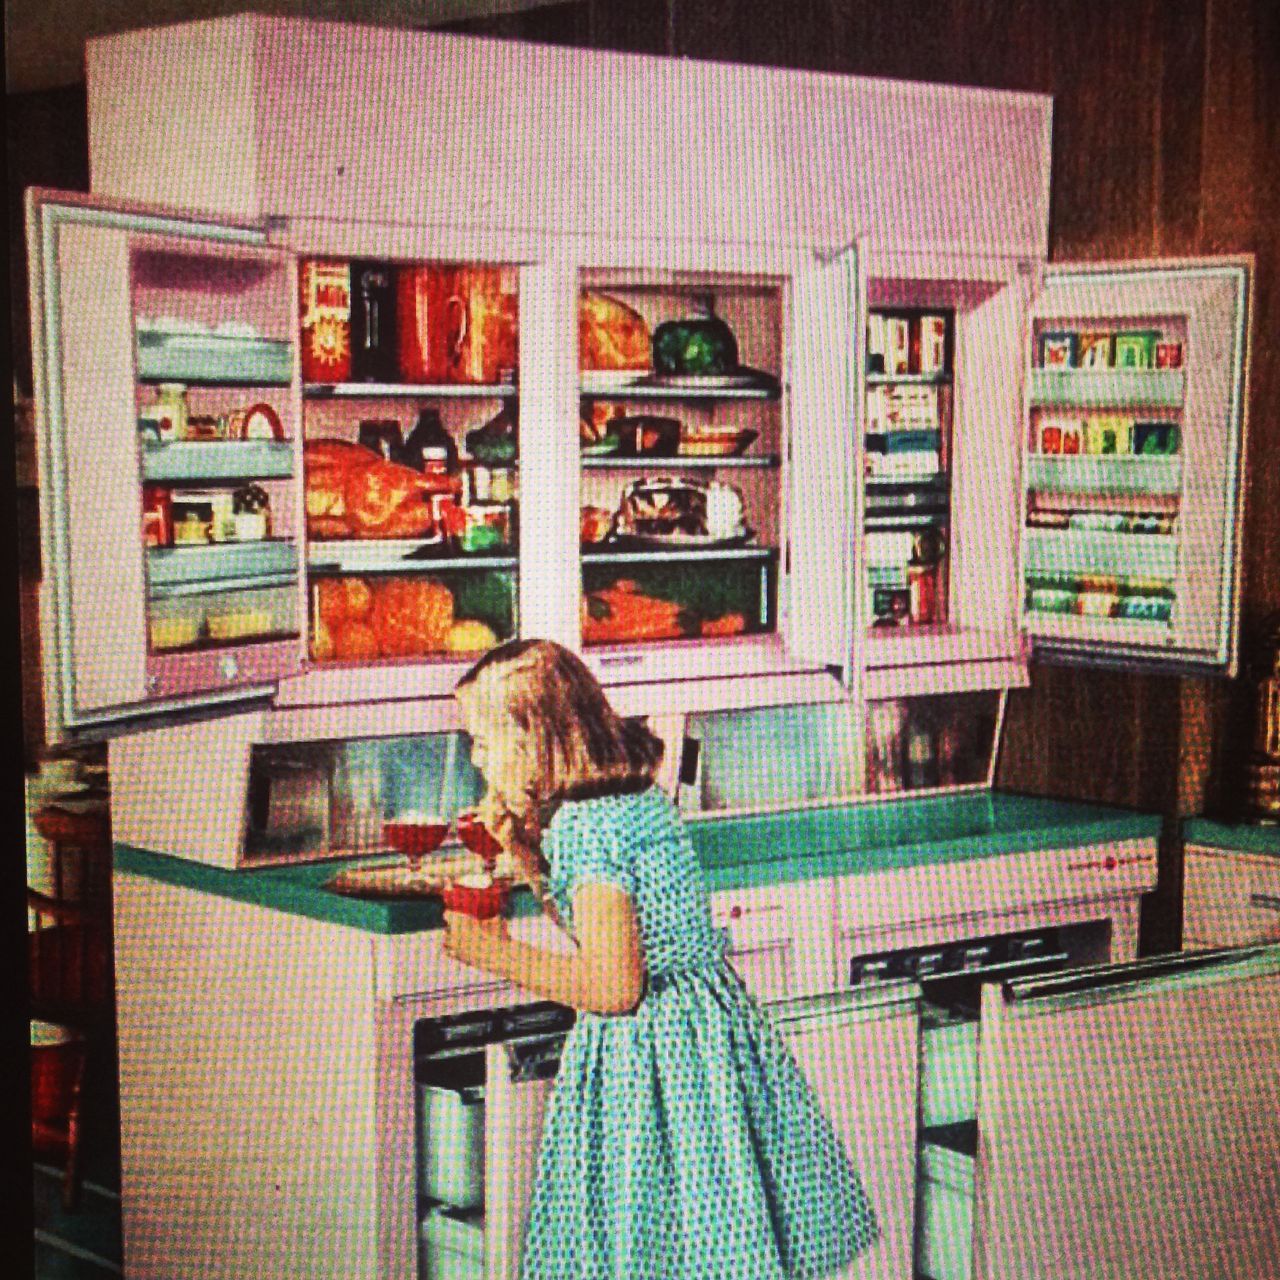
(612,335)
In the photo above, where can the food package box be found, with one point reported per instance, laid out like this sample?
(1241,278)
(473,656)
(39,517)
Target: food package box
(911,407)
(1108,434)
(875,343)
(1058,435)
(1059,350)
(933,344)
(1094,351)
(897,345)
(1136,349)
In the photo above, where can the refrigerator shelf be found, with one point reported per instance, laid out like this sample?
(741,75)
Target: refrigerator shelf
(888,522)
(1084,629)
(217,565)
(203,460)
(609,387)
(646,462)
(213,358)
(666,556)
(1108,388)
(1104,473)
(1088,551)
(915,379)
(408,390)
(394,556)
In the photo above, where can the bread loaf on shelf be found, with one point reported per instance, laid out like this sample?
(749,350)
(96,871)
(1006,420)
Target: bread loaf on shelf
(612,335)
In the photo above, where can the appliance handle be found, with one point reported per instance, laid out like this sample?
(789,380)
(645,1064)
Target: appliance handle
(1126,978)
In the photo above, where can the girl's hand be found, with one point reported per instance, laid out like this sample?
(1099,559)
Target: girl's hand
(510,832)
(483,944)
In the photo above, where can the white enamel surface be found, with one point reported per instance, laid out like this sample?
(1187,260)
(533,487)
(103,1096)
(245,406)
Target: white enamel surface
(556,138)
(1153,1124)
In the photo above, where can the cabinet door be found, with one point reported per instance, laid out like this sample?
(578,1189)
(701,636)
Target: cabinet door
(1132,463)
(863,1064)
(1129,1122)
(824,499)
(137,617)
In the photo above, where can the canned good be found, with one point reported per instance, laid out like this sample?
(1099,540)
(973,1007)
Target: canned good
(1168,355)
(324,287)
(485,525)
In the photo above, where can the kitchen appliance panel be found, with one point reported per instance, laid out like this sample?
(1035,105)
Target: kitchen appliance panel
(95,582)
(825,324)
(859,1052)
(516,1108)
(1133,1083)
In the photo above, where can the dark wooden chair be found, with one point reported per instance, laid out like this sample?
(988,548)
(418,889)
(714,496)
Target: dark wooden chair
(71,1000)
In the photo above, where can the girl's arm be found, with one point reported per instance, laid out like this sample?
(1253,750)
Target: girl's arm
(605,974)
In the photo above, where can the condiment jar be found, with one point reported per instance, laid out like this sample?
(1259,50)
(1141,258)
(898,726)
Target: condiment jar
(171,421)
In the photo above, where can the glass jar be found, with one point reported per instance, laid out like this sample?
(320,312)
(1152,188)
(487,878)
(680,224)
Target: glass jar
(174,413)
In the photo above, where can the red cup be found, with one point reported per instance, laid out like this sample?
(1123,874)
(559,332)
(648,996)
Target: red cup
(479,896)
(415,834)
(477,837)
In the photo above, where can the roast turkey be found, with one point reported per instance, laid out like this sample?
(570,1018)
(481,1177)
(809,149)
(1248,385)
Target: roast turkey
(353,492)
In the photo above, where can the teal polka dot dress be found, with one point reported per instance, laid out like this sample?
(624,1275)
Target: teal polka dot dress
(682,1141)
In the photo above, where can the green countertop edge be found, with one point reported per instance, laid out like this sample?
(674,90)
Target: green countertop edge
(737,853)
(1239,837)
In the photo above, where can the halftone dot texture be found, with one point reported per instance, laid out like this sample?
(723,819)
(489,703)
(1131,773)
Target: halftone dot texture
(682,1140)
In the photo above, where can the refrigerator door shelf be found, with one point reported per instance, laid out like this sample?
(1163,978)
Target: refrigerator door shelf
(1153,357)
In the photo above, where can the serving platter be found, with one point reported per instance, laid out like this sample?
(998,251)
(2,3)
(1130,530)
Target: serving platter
(397,879)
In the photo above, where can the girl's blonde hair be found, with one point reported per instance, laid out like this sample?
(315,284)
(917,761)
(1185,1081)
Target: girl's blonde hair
(575,744)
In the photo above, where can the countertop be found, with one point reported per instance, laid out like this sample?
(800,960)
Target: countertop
(736,853)
(1242,837)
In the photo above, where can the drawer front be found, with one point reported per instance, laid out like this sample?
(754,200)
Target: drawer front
(780,928)
(415,964)
(994,885)
(1229,900)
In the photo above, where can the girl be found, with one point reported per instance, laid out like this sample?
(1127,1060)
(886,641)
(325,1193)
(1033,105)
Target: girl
(682,1142)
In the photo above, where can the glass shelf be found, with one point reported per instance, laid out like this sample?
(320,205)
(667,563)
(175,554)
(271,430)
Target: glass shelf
(644,387)
(204,460)
(409,390)
(666,556)
(618,462)
(213,359)
(395,556)
(1108,388)
(215,565)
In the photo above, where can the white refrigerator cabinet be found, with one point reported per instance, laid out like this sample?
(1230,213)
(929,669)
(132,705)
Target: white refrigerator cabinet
(129,301)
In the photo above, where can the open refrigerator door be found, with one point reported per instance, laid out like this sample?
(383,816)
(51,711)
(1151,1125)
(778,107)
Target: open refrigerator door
(1132,464)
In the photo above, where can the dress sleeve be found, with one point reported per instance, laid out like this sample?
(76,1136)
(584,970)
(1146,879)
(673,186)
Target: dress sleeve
(591,848)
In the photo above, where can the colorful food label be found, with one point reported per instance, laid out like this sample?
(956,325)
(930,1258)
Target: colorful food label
(1095,351)
(324,289)
(933,344)
(1058,350)
(1135,350)
(1168,355)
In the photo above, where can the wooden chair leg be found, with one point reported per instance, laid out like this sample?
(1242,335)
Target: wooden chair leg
(72,1174)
